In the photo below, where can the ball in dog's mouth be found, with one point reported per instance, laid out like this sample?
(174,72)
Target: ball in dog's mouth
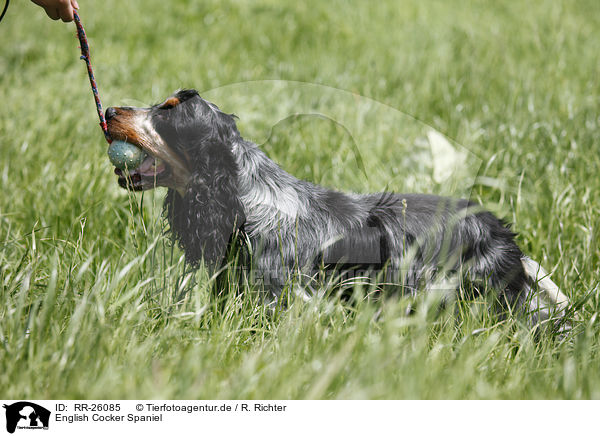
(124,155)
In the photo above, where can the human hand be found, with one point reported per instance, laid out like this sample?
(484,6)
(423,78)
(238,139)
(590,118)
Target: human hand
(56,9)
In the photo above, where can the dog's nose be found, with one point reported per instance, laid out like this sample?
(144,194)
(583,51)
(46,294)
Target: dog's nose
(111,112)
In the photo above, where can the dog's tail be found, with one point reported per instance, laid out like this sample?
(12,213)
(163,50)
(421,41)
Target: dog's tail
(538,277)
(545,299)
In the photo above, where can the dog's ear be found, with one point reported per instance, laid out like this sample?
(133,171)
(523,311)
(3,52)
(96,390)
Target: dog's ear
(205,217)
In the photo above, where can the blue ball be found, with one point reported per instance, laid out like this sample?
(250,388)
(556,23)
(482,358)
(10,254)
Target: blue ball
(124,155)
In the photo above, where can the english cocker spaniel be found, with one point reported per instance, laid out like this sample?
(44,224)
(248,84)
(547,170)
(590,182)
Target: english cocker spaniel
(222,187)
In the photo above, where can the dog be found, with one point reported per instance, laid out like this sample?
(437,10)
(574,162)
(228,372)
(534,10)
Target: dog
(223,188)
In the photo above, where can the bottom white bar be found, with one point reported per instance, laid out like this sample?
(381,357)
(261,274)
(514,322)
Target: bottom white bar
(158,417)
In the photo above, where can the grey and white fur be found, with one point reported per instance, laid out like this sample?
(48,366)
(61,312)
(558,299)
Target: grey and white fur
(222,187)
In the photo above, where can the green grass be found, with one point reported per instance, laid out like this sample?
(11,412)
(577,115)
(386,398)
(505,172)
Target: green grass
(97,304)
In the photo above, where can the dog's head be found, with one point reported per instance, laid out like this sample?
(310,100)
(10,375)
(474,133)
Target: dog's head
(189,145)
(174,134)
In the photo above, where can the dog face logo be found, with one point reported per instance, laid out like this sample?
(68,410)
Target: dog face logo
(26,415)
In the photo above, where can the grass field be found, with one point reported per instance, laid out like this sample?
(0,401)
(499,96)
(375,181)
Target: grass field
(96,303)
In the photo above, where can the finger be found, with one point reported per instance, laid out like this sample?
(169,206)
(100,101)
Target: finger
(52,13)
(74,4)
(66,13)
